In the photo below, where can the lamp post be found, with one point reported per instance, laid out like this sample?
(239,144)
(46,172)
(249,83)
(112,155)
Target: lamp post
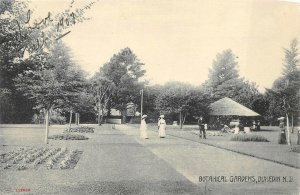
(142,94)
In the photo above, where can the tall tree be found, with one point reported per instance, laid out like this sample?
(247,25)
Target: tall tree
(126,71)
(102,90)
(286,89)
(224,80)
(291,60)
(52,87)
(23,43)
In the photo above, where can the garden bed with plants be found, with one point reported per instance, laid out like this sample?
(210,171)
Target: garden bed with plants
(248,138)
(68,136)
(81,129)
(37,158)
(295,149)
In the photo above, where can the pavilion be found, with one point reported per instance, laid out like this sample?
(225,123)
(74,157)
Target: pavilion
(226,109)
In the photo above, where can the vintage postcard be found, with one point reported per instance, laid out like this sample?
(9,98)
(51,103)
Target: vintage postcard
(150,97)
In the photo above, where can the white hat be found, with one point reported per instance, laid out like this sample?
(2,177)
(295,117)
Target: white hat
(144,116)
(281,118)
(162,116)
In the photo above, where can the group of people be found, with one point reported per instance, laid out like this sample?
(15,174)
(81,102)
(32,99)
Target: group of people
(161,127)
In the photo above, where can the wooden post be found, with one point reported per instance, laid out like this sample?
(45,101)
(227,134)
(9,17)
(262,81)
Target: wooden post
(70,122)
(142,96)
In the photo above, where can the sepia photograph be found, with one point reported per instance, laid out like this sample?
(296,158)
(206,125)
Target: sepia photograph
(150,97)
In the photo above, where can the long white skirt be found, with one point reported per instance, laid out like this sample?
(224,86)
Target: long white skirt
(143,129)
(162,130)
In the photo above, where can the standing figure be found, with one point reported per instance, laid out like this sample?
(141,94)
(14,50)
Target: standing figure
(258,126)
(201,127)
(282,136)
(143,128)
(204,131)
(161,126)
(237,128)
(253,125)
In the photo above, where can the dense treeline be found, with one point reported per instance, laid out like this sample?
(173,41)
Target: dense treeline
(40,83)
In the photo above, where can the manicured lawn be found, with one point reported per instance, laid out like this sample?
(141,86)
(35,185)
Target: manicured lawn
(271,150)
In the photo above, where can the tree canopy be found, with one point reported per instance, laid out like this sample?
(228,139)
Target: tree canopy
(126,71)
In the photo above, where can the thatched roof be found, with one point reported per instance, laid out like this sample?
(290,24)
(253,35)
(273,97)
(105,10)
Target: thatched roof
(228,107)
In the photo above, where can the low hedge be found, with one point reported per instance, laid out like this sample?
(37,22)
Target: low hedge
(249,138)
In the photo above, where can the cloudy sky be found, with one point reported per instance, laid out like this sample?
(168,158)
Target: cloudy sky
(178,40)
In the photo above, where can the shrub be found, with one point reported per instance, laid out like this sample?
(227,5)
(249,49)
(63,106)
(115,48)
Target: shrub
(68,136)
(82,129)
(249,138)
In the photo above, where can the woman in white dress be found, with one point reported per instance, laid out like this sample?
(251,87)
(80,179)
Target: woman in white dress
(161,126)
(143,128)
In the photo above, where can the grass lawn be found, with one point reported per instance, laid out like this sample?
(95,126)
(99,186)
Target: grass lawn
(271,150)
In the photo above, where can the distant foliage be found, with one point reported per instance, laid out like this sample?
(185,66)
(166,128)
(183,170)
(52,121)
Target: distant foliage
(182,100)
(56,117)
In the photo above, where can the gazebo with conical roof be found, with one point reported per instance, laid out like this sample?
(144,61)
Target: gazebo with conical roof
(229,107)
(226,109)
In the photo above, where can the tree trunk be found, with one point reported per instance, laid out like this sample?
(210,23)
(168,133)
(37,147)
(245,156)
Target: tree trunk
(70,121)
(78,118)
(99,114)
(180,120)
(123,116)
(47,126)
(292,130)
(183,120)
(288,130)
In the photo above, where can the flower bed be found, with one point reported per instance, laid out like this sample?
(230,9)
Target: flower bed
(36,158)
(68,136)
(69,161)
(82,129)
(249,138)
